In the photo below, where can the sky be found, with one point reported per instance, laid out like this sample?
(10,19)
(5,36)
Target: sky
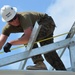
(62,11)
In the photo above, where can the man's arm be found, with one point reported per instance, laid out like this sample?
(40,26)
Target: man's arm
(24,39)
(3,39)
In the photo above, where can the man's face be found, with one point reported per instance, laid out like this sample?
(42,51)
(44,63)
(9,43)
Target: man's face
(14,21)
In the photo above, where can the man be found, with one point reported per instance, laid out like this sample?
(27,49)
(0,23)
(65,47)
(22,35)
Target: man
(24,22)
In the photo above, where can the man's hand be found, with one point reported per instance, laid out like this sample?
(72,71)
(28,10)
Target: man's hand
(7,47)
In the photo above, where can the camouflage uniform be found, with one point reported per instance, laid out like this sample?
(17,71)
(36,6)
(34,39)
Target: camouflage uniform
(46,31)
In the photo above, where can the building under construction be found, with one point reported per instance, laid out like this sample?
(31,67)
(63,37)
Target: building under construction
(68,42)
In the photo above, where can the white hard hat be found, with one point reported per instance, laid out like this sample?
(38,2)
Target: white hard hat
(8,13)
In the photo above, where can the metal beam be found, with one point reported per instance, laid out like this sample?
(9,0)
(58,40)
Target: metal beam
(41,50)
(33,36)
(32,39)
(72,55)
(33,72)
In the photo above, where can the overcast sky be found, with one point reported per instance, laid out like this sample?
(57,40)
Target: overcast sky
(62,11)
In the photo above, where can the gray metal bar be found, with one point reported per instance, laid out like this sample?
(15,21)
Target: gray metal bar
(33,36)
(32,39)
(72,55)
(33,72)
(41,50)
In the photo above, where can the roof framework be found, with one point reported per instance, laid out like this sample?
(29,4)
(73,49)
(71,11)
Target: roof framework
(68,42)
